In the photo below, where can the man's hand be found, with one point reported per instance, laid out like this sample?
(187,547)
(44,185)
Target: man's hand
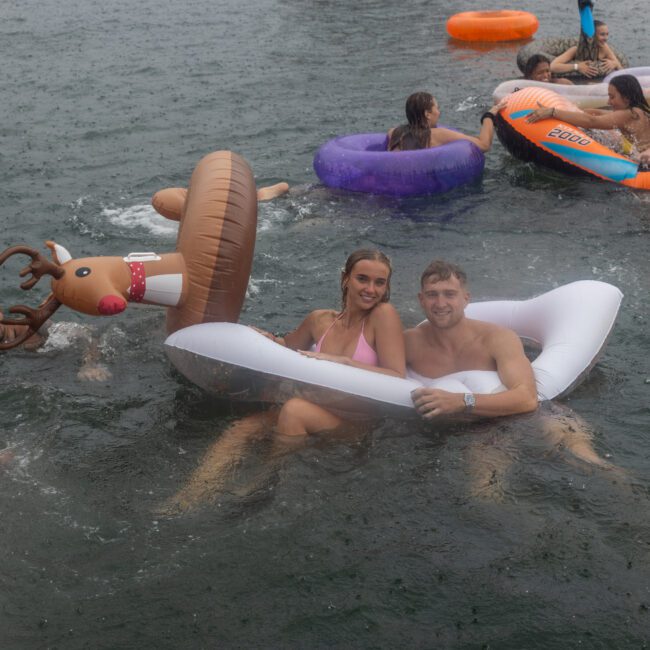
(433,402)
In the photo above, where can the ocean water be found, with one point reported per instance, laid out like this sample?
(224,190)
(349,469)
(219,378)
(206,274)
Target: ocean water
(478,536)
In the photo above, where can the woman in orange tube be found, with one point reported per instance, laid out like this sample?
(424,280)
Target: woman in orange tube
(630,114)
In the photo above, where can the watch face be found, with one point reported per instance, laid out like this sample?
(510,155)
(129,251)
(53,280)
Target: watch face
(469,400)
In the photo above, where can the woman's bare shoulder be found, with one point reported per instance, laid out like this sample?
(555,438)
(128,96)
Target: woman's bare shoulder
(638,113)
(383,311)
(322,315)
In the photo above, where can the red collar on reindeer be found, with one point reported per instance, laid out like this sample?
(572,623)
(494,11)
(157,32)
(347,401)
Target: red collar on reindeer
(138,276)
(138,282)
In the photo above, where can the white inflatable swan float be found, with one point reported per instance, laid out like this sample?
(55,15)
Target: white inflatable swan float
(570,324)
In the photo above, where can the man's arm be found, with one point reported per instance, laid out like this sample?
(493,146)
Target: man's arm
(516,375)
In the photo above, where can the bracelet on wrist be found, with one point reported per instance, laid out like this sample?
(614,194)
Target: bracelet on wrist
(489,115)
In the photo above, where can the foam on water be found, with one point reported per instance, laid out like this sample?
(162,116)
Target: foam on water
(62,335)
(141,216)
(468,104)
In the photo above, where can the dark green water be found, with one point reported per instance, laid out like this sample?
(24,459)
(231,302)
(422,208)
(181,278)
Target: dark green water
(388,541)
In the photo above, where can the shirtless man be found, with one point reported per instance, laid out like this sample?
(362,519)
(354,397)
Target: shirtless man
(449,342)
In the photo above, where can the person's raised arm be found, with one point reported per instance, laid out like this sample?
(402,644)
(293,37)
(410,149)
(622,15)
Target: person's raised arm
(485,136)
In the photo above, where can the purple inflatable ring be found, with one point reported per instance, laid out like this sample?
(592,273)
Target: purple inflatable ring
(360,163)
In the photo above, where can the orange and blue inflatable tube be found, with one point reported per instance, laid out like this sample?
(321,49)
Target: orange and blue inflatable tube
(561,146)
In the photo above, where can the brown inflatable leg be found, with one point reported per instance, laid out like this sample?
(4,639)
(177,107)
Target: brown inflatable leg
(169,202)
(272,191)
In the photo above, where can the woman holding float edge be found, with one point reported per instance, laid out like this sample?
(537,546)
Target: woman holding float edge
(366,333)
(417,158)
(630,114)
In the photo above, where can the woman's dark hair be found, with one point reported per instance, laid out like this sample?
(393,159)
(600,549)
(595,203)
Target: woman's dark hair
(357,256)
(532,63)
(415,134)
(630,89)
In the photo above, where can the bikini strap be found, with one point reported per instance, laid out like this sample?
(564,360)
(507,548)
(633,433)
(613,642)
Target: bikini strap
(326,332)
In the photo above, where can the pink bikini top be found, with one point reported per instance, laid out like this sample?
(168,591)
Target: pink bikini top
(363,353)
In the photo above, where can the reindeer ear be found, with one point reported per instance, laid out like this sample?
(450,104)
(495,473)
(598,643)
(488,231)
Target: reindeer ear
(59,254)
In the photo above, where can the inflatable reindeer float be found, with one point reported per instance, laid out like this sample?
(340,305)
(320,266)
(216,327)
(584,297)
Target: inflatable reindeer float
(204,280)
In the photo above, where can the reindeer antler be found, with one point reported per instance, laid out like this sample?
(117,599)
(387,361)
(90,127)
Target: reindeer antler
(33,318)
(38,267)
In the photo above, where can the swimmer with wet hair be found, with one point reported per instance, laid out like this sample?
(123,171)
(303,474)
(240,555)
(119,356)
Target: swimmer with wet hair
(365,333)
(630,115)
(422,131)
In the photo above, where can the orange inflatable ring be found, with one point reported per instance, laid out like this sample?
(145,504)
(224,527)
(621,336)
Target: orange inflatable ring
(502,25)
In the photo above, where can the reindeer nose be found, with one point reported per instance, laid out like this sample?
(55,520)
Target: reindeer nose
(110,305)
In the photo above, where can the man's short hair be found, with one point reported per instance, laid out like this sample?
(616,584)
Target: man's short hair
(441,270)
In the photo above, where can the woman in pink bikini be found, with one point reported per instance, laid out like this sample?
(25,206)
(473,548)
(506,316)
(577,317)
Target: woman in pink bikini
(366,333)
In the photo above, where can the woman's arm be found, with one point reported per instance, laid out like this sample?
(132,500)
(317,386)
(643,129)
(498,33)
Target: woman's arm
(389,135)
(299,339)
(389,340)
(609,61)
(303,336)
(607,120)
(483,141)
(565,63)
(441,135)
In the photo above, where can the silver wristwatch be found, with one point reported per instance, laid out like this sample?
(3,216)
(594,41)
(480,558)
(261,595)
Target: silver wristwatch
(470,402)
